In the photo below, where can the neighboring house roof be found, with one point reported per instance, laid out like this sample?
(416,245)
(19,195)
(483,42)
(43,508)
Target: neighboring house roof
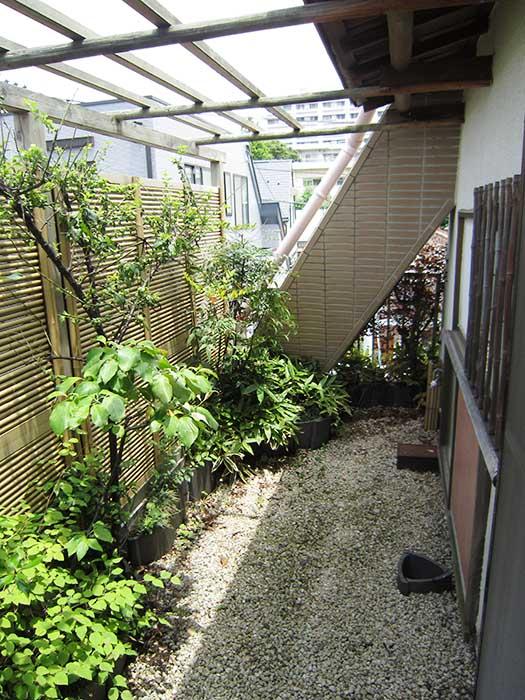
(275,180)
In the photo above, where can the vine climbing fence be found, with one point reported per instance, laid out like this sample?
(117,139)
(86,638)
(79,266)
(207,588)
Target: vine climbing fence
(35,327)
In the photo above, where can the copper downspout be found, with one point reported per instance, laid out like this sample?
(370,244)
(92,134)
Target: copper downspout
(324,188)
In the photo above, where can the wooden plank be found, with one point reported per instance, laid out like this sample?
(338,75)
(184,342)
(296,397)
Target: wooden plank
(349,129)
(63,24)
(15,99)
(353,94)
(400,42)
(318,12)
(160,16)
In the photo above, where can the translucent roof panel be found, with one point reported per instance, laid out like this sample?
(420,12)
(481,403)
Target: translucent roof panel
(279,61)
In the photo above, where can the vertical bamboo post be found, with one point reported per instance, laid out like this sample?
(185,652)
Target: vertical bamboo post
(485,295)
(508,304)
(505,222)
(28,131)
(139,232)
(472,311)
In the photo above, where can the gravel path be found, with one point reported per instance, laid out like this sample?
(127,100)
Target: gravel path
(291,595)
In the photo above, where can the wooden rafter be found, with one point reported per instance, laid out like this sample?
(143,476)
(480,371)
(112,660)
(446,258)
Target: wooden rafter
(96,83)
(437,115)
(16,99)
(63,24)
(400,43)
(318,12)
(160,16)
(466,77)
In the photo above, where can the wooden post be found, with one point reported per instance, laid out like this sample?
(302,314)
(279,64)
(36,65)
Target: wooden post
(28,132)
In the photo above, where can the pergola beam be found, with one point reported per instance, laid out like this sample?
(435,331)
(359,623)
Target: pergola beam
(15,99)
(319,12)
(96,83)
(435,77)
(449,115)
(400,43)
(160,16)
(49,17)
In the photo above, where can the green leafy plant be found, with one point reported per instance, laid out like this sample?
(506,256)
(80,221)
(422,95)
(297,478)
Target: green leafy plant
(316,394)
(68,610)
(127,387)
(163,498)
(272,150)
(358,367)
(123,385)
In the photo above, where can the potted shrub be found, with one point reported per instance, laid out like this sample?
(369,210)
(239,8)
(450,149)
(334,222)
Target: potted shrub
(154,530)
(322,399)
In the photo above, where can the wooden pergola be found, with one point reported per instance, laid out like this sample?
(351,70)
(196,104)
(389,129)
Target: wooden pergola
(384,50)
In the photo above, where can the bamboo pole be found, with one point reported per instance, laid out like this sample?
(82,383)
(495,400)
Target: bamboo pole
(506,225)
(488,309)
(508,308)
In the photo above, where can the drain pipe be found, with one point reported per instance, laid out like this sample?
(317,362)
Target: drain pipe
(324,188)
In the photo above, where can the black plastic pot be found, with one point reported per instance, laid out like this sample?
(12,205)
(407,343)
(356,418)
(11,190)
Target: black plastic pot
(145,548)
(417,573)
(383,394)
(202,482)
(314,433)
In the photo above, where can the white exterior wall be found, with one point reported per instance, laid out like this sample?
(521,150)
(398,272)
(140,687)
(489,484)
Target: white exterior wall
(491,149)
(492,135)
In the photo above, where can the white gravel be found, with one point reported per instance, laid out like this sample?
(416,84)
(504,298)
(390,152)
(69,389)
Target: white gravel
(291,594)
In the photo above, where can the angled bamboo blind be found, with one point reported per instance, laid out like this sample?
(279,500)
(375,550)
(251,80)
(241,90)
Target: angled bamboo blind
(28,449)
(394,198)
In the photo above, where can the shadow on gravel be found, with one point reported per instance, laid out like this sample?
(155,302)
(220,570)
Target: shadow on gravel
(314,612)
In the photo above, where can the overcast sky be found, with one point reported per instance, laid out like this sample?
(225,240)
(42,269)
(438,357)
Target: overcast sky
(278,61)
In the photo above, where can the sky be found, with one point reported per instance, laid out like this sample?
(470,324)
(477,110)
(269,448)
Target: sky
(278,61)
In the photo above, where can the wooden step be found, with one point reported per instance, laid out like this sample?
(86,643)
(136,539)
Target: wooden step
(421,458)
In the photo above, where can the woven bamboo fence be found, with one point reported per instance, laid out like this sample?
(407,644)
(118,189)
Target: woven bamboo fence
(29,312)
(498,209)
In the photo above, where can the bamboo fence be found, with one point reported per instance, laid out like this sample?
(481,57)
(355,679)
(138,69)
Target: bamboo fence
(29,309)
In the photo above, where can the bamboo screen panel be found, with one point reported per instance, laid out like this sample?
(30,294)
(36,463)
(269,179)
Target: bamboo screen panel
(28,449)
(498,209)
(24,429)
(394,198)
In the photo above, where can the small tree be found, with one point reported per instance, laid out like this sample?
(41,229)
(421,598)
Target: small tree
(125,385)
(273,150)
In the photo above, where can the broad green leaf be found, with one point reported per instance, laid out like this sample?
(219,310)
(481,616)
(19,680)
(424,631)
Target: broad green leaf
(205,416)
(108,370)
(81,411)
(198,384)
(66,384)
(115,407)
(79,669)
(127,358)
(187,431)
(82,548)
(170,426)
(102,532)
(60,678)
(210,418)
(180,392)
(60,417)
(87,388)
(94,355)
(99,415)
(161,387)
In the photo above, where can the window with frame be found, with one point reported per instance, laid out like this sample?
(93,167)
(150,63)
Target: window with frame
(241,205)
(194,174)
